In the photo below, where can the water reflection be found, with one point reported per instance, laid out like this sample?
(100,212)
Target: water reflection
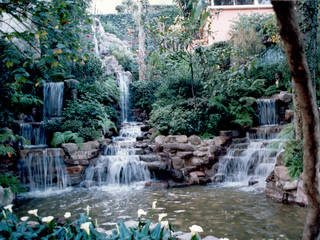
(223,212)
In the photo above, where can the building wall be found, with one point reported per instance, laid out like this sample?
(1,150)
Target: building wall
(223,18)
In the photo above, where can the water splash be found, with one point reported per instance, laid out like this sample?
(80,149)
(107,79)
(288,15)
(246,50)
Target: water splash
(43,169)
(267,111)
(52,99)
(35,133)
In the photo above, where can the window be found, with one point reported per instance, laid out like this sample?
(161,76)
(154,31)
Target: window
(240,2)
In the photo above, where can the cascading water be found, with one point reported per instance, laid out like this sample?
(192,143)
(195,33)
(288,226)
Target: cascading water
(253,157)
(35,133)
(43,169)
(119,164)
(267,110)
(124,82)
(53,99)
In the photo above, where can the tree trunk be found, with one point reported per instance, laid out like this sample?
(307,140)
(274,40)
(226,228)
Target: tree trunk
(142,48)
(289,31)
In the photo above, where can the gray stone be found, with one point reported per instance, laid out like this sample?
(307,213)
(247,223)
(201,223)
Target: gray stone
(194,140)
(289,115)
(282,173)
(289,186)
(194,178)
(90,145)
(70,148)
(179,147)
(199,154)
(284,97)
(157,166)
(185,155)
(203,149)
(252,181)
(219,177)
(84,155)
(176,139)
(149,158)
(221,140)
(198,161)
(177,163)
(160,139)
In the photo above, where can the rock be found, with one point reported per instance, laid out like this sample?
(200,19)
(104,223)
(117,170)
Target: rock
(211,172)
(87,146)
(203,149)
(157,185)
(187,170)
(179,147)
(6,196)
(284,97)
(221,140)
(70,148)
(282,173)
(156,166)
(177,175)
(219,177)
(177,163)
(160,139)
(185,155)
(198,173)
(301,197)
(194,140)
(152,131)
(181,184)
(194,178)
(288,186)
(289,115)
(149,158)
(139,138)
(280,159)
(176,139)
(225,133)
(84,155)
(145,128)
(198,161)
(142,145)
(72,170)
(199,154)
(252,182)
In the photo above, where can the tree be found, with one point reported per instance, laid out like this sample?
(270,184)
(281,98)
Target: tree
(293,40)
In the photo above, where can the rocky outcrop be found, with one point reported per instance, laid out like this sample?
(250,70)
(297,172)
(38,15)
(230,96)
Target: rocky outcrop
(282,188)
(187,160)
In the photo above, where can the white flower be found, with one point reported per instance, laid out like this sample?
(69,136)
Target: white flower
(162,215)
(47,219)
(164,224)
(86,226)
(24,219)
(141,212)
(67,215)
(154,204)
(33,212)
(195,229)
(88,210)
(9,207)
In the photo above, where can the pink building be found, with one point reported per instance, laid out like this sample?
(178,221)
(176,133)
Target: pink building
(224,12)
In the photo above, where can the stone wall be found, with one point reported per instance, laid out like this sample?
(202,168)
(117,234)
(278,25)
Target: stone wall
(186,160)
(282,188)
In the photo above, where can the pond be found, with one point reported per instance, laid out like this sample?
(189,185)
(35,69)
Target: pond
(221,211)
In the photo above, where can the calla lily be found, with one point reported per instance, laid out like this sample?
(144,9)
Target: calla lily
(88,210)
(195,229)
(33,212)
(161,216)
(24,219)
(67,215)
(47,219)
(86,226)
(164,224)
(9,207)
(154,204)
(141,212)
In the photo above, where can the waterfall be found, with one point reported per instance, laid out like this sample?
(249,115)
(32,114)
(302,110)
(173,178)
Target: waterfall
(53,99)
(119,164)
(267,111)
(43,169)
(35,133)
(124,82)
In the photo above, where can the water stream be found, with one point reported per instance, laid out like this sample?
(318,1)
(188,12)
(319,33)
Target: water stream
(52,99)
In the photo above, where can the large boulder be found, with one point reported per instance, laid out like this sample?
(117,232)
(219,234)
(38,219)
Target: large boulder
(282,173)
(284,97)
(177,162)
(87,146)
(160,139)
(84,155)
(70,148)
(176,139)
(179,147)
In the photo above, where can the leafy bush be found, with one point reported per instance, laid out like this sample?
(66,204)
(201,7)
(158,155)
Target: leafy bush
(9,141)
(293,157)
(12,182)
(65,137)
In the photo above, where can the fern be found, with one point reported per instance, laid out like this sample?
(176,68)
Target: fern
(106,124)
(12,182)
(65,137)
(7,140)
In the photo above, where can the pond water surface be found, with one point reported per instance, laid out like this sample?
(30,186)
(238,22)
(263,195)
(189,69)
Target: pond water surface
(221,211)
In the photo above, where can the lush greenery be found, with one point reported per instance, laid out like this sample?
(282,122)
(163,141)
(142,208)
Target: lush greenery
(293,157)
(83,228)
(12,182)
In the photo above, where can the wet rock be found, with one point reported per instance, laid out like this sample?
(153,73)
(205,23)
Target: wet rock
(145,128)
(222,140)
(282,173)
(156,148)
(173,184)
(203,149)
(177,162)
(160,139)
(284,97)
(252,181)
(157,185)
(72,170)
(219,177)
(70,148)
(177,175)
(142,145)
(157,166)
(91,145)
(139,138)
(212,171)
(176,139)
(84,155)
(149,158)
(289,115)
(199,154)
(194,178)
(194,140)
(198,161)
(187,170)
(225,133)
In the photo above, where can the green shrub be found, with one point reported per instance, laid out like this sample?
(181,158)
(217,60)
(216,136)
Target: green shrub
(65,137)
(89,133)
(72,125)
(293,157)
(12,182)
(9,142)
